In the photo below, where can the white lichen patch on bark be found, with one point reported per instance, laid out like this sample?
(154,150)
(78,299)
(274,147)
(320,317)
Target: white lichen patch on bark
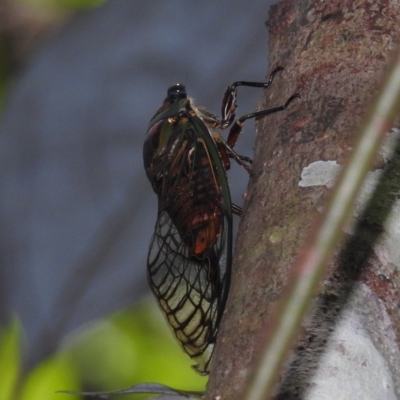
(320,173)
(324,173)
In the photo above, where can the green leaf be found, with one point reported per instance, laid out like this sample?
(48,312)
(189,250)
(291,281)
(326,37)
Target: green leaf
(55,373)
(10,360)
(128,348)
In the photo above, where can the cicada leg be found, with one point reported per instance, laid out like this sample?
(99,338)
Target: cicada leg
(228,114)
(226,152)
(225,146)
(237,210)
(228,108)
(238,124)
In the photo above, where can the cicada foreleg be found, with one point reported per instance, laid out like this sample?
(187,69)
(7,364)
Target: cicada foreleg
(229,105)
(238,126)
(262,113)
(228,115)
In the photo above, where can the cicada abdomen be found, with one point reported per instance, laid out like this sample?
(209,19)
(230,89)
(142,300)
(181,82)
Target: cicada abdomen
(189,261)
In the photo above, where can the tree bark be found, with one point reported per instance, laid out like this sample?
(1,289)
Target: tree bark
(334,55)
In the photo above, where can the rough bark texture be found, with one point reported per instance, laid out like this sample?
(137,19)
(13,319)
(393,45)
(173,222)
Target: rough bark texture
(334,54)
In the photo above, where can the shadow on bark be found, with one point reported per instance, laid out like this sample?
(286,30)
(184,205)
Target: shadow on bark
(351,264)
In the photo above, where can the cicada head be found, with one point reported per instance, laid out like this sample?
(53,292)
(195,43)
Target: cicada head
(176,92)
(160,134)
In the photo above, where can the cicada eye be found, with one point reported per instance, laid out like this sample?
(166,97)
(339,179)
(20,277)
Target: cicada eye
(176,92)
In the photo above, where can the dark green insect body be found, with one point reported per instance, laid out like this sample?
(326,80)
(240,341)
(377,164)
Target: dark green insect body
(190,256)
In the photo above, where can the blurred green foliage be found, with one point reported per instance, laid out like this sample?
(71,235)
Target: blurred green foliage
(52,5)
(136,346)
(10,360)
(130,347)
(79,4)
(49,376)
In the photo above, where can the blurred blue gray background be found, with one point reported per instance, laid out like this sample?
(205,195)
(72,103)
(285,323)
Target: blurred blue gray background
(76,210)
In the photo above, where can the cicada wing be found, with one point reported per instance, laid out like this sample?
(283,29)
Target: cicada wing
(189,290)
(190,253)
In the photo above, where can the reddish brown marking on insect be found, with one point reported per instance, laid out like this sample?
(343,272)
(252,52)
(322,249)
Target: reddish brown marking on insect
(206,224)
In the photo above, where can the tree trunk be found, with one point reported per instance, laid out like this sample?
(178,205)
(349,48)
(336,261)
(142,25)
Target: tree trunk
(334,54)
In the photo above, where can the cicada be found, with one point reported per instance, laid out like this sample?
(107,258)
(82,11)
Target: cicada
(190,255)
